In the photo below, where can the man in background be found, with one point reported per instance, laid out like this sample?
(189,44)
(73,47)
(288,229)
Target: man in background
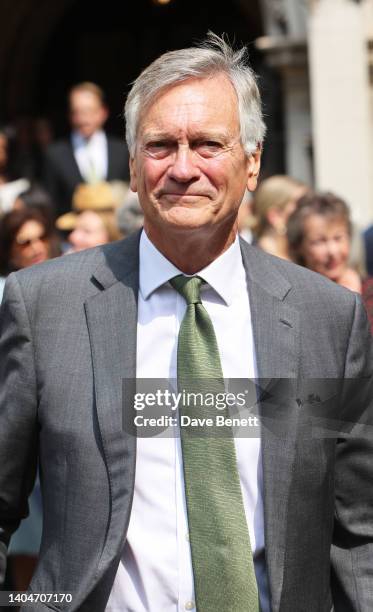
(89,155)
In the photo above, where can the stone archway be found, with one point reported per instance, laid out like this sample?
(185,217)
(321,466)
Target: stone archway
(46,46)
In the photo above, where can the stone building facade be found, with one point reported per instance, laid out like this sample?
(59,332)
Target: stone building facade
(324,51)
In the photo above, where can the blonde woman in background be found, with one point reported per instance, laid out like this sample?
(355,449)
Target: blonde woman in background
(93,219)
(274,201)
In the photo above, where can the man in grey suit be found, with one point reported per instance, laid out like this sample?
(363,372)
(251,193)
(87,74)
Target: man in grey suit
(121,532)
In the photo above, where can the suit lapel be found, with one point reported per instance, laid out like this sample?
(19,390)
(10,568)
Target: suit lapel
(112,324)
(276,338)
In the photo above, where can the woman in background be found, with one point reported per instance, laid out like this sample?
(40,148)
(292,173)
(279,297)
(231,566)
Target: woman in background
(274,201)
(319,235)
(92,228)
(27,238)
(92,221)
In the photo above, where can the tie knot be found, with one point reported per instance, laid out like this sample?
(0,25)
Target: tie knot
(188,287)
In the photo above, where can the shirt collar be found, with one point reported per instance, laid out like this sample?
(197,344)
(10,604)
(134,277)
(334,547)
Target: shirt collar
(156,270)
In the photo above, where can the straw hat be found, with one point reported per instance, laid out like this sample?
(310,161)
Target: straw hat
(96,197)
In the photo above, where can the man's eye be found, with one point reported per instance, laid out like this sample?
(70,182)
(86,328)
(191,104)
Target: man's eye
(208,148)
(158,148)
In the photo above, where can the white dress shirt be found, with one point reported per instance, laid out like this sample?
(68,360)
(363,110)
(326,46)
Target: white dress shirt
(155,573)
(91,155)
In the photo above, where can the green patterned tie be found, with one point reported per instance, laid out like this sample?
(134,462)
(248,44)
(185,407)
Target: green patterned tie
(223,568)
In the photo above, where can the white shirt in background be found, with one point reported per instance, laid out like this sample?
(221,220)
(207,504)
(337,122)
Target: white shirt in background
(91,155)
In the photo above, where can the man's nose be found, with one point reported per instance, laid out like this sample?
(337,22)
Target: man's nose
(183,167)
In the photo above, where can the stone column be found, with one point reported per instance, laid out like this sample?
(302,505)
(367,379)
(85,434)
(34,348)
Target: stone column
(289,56)
(285,49)
(340,95)
(367,8)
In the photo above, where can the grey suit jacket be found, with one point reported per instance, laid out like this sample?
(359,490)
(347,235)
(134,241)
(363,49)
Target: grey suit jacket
(68,338)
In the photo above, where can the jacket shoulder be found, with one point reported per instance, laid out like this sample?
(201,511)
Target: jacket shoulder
(75,270)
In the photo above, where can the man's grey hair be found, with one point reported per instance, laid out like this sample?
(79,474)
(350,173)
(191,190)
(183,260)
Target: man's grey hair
(212,57)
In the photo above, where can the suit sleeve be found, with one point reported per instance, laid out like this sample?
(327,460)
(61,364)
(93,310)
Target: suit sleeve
(18,414)
(352,549)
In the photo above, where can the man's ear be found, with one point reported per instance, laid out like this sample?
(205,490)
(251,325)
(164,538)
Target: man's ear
(253,168)
(133,174)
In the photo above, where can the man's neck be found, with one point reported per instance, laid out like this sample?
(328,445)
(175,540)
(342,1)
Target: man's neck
(77,137)
(192,251)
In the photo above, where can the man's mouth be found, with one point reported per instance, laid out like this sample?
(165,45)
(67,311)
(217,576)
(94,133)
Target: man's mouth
(182,196)
(185,200)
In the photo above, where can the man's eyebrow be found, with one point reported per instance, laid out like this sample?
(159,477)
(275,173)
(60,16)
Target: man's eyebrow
(152,135)
(212,135)
(195,135)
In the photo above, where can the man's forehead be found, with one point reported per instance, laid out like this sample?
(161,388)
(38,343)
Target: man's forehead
(208,104)
(83,96)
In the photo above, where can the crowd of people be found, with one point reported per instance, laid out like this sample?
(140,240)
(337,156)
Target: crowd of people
(58,197)
(315,230)
(68,195)
(82,199)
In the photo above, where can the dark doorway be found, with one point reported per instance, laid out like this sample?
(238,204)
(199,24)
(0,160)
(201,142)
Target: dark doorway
(111,43)
(56,46)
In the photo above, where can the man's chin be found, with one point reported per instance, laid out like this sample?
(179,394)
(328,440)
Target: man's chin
(86,133)
(184,218)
